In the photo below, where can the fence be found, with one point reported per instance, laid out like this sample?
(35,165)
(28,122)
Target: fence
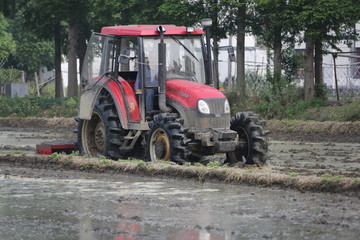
(347,75)
(348,80)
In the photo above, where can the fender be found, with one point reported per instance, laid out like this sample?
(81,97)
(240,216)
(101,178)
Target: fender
(87,101)
(126,107)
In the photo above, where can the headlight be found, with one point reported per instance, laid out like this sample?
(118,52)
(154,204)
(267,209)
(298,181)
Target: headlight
(227,106)
(203,107)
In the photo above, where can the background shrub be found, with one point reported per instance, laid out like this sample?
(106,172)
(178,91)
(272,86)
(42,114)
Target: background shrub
(38,107)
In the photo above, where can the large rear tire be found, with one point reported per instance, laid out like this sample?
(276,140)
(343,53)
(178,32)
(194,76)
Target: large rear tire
(102,135)
(252,147)
(166,140)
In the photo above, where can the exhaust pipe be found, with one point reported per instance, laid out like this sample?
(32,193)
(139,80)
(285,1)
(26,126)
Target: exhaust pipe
(162,71)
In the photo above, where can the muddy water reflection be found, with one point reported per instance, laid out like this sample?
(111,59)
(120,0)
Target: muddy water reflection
(122,207)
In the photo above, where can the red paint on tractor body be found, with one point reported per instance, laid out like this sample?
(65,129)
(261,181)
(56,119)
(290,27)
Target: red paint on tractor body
(119,101)
(148,30)
(131,99)
(187,93)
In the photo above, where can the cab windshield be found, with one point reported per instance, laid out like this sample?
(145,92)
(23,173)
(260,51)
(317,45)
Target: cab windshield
(184,57)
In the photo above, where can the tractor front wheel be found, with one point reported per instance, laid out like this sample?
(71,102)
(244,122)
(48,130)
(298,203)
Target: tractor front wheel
(252,147)
(166,140)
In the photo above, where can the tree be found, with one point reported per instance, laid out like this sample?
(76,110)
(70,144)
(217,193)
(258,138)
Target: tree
(31,52)
(76,12)
(325,22)
(237,23)
(46,17)
(7,44)
(272,23)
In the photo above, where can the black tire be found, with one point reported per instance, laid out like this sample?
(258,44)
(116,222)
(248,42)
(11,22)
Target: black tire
(166,140)
(102,135)
(252,147)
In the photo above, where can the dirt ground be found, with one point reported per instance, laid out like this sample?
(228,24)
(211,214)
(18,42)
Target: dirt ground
(327,151)
(309,189)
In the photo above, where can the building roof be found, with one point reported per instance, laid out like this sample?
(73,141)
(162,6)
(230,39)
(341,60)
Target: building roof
(148,30)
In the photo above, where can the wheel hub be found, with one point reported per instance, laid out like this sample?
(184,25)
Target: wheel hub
(100,136)
(160,146)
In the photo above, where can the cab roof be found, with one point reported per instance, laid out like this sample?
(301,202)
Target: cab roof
(148,30)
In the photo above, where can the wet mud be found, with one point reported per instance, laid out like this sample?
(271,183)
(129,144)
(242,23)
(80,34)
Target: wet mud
(297,162)
(47,204)
(310,189)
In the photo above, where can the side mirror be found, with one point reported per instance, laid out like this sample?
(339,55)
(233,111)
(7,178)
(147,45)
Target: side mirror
(231,54)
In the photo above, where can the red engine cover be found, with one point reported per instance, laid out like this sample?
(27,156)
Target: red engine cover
(187,93)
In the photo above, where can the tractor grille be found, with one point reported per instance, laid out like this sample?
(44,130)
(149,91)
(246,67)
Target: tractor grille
(217,118)
(216,105)
(213,122)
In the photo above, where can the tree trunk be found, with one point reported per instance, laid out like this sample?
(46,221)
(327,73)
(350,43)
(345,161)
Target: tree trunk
(72,61)
(240,54)
(319,78)
(81,51)
(37,84)
(59,92)
(309,86)
(216,62)
(277,57)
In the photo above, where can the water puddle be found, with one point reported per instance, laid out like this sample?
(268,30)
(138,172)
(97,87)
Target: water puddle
(25,139)
(69,205)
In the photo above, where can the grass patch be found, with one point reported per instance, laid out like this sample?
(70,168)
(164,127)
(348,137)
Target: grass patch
(55,156)
(105,161)
(293,174)
(213,165)
(38,107)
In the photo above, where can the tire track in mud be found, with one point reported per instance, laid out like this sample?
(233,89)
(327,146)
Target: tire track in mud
(307,161)
(255,176)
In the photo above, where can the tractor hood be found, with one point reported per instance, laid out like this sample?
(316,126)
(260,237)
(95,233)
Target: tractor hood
(187,93)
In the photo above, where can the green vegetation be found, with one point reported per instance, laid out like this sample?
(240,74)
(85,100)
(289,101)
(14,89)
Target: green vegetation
(10,76)
(293,174)
(37,107)
(105,161)
(36,34)
(213,165)
(338,178)
(284,100)
(7,44)
(55,156)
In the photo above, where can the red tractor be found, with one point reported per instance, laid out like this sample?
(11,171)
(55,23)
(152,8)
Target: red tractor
(147,88)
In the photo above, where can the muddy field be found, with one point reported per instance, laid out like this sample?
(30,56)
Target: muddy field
(306,149)
(321,157)
(43,203)
(309,189)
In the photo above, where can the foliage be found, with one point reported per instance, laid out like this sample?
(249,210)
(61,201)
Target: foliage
(293,174)
(37,106)
(343,113)
(10,76)
(213,165)
(31,52)
(7,44)
(290,63)
(277,100)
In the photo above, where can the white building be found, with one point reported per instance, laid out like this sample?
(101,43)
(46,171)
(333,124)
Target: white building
(256,61)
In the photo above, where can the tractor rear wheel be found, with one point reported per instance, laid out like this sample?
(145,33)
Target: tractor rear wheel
(252,147)
(166,140)
(102,135)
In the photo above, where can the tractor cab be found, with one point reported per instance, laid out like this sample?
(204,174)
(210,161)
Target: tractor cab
(146,89)
(134,58)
